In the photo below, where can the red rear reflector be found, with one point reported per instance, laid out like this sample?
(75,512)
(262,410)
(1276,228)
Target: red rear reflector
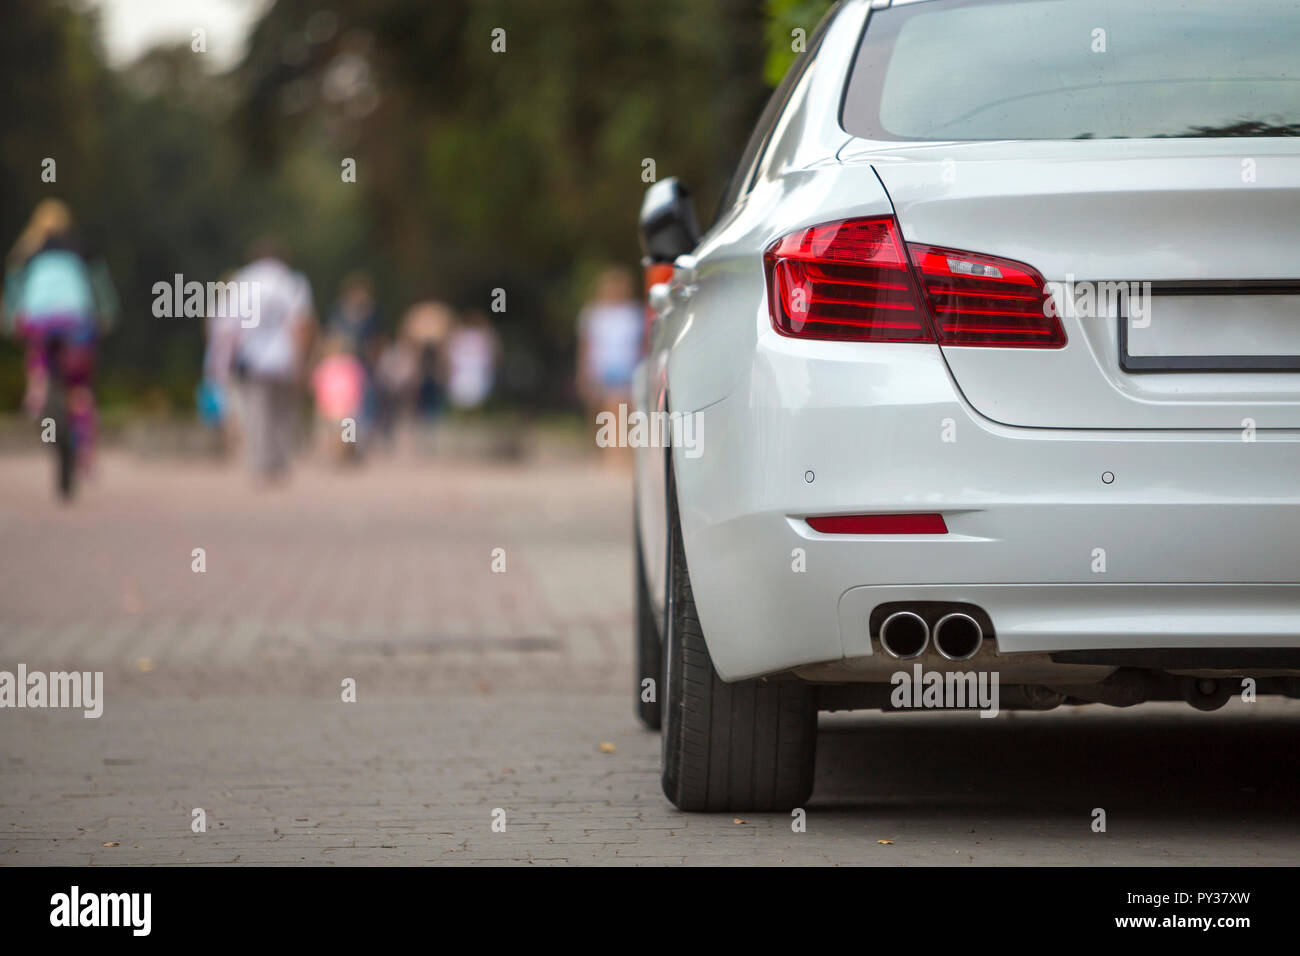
(879,524)
(845,280)
(983,300)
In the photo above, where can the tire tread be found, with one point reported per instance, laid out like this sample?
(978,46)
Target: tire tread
(742,746)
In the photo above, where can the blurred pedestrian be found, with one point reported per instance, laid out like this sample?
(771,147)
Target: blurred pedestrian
(355,325)
(338,386)
(270,356)
(59,300)
(425,328)
(609,344)
(473,351)
(397,382)
(355,319)
(215,397)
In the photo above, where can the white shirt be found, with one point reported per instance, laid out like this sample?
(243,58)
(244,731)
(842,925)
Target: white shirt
(471,354)
(283,296)
(613,332)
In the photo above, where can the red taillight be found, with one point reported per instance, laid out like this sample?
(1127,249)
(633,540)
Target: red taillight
(852,281)
(983,300)
(845,280)
(879,524)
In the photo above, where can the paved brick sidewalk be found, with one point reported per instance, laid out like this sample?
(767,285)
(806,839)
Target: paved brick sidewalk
(404,779)
(387,568)
(478,691)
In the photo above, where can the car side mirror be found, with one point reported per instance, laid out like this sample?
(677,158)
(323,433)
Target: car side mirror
(667,225)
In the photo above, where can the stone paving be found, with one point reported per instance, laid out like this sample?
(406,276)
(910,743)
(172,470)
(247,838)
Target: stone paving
(479,691)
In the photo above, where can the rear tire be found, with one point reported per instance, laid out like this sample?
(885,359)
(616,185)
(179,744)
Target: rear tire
(649,646)
(745,746)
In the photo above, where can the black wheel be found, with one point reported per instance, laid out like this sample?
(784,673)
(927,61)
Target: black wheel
(57,408)
(744,746)
(67,469)
(65,458)
(649,648)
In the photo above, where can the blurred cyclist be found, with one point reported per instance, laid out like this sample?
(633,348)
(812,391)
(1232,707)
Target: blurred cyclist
(58,303)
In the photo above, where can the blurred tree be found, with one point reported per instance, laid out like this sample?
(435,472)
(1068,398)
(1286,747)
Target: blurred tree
(784,18)
(483,160)
(516,164)
(52,89)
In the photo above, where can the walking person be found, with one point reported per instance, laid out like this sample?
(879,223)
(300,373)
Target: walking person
(270,359)
(609,346)
(355,326)
(397,383)
(338,385)
(426,326)
(473,351)
(215,395)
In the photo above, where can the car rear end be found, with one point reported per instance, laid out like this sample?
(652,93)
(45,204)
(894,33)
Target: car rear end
(1025,357)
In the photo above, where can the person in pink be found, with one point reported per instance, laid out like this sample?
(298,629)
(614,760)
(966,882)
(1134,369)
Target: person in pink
(339,384)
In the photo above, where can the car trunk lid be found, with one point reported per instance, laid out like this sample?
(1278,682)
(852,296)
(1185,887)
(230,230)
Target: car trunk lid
(1175,265)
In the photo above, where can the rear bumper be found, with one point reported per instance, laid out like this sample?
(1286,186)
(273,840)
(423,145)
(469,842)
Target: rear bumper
(1195,543)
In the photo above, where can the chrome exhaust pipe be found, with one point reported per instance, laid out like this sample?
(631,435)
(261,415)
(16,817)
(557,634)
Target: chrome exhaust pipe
(904,635)
(958,637)
(1208,693)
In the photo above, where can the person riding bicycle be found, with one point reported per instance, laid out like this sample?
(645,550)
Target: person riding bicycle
(58,302)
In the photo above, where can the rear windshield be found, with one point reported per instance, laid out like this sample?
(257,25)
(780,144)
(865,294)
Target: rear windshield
(1077,69)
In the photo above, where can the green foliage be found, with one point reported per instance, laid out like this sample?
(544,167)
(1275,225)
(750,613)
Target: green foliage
(784,17)
(475,169)
(520,169)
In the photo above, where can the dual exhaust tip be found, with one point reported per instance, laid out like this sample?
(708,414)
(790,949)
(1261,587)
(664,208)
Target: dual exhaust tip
(905,635)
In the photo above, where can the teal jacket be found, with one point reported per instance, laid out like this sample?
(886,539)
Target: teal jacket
(58,283)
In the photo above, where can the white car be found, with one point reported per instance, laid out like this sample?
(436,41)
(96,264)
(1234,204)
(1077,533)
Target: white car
(987,371)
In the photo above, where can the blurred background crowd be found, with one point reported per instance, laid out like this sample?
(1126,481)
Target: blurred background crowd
(444,214)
